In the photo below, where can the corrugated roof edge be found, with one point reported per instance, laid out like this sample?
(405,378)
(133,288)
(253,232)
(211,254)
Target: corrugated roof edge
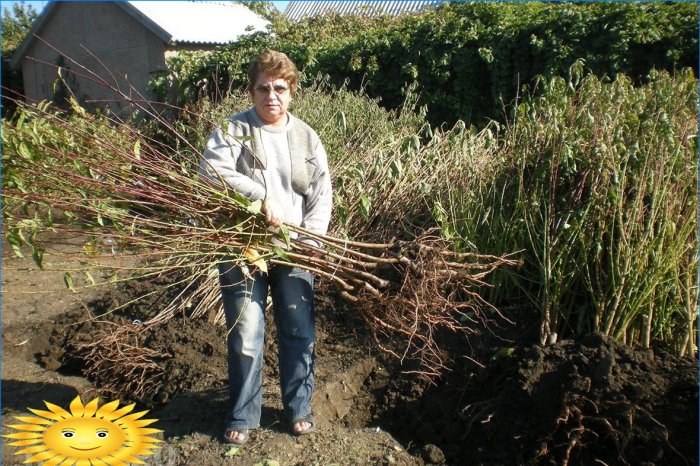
(304,9)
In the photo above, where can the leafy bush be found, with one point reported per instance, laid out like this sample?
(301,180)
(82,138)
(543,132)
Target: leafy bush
(593,181)
(360,137)
(122,190)
(42,143)
(468,60)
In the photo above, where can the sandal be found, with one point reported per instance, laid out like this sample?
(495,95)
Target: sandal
(308,430)
(229,438)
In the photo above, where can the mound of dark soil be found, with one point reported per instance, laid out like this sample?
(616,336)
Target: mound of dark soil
(591,402)
(128,361)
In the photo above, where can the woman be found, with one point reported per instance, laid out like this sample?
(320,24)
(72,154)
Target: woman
(266,153)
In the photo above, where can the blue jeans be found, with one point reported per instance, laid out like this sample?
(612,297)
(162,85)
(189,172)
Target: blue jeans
(244,305)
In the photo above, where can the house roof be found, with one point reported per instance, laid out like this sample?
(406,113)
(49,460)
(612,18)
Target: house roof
(190,22)
(200,21)
(298,10)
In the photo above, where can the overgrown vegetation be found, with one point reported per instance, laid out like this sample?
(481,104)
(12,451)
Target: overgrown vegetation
(596,182)
(469,60)
(590,176)
(593,183)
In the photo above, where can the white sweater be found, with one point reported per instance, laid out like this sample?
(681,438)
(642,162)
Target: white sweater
(275,172)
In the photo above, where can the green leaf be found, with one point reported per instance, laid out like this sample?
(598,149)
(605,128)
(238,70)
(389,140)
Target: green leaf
(282,254)
(22,117)
(233,451)
(137,150)
(90,277)
(365,206)
(395,167)
(18,251)
(68,281)
(283,232)
(24,151)
(20,234)
(238,198)
(15,239)
(17,181)
(255,207)
(38,256)
(77,108)
(503,353)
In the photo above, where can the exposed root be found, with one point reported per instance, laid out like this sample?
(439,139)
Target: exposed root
(124,192)
(406,292)
(584,423)
(120,365)
(429,293)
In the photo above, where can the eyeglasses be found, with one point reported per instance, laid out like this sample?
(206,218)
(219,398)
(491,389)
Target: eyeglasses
(265,89)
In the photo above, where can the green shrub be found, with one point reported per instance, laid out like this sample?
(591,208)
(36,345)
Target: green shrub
(469,61)
(41,143)
(596,182)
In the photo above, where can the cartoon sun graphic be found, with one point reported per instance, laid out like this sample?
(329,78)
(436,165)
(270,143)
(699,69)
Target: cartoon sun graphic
(85,436)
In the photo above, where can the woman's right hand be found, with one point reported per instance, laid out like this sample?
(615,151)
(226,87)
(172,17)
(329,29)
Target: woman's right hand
(272,213)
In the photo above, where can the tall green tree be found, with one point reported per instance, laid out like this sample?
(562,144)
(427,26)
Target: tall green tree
(16,23)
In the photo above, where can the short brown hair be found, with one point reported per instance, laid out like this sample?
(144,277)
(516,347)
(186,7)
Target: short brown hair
(276,65)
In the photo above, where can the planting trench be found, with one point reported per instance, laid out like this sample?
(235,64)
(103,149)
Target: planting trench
(575,403)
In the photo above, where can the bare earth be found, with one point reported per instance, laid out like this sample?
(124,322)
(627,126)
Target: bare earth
(34,305)
(575,403)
